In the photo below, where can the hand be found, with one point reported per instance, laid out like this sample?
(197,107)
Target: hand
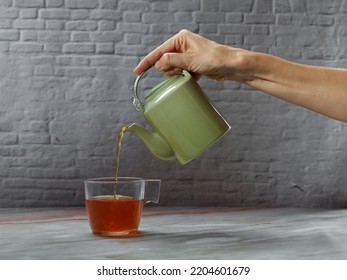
(196,54)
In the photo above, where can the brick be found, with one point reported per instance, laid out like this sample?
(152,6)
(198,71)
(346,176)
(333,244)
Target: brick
(106,25)
(8,138)
(9,13)
(39,114)
(16,172)
(234,29)
(159,28)
(40,126)
(80,60)
(9,35)
(29,3)
(152,40)
(160,7)
(58,163)
(54,3)
(79,48)
(236,6)
(5,23)
(28,35)
(36,162)
(130,50)
(54,36)
(234,18)
(80,14)
(44,70)
(75,71)
(300,6)
(81,25)
(108,4)
(4,47)
(64,60)
(103,60)
(54,13)
(12,151)
(284,19)
(234,40)
(158,17)
(183,17)
(81,4)
(260,29)
(132,16)
(263,6)
(259,18)
(50,151)
(133,28)
(325,20)
(182,5)
(208,17)
(312,53)
(57,173)
(103,48)
(282,6)
(102,14)
(56,195)
(34,138)
(29,24)
(6,3)
(26,47)
(80,36)
(206,28)
(323,7)
(55,25)
(28,13)
(260,40)
(134,6)
(55,47)
(106,36)
(209,6)
(133,39)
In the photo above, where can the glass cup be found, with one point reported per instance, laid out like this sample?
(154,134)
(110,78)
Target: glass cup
(116,209)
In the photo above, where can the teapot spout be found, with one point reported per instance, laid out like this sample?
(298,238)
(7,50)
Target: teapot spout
(154,142)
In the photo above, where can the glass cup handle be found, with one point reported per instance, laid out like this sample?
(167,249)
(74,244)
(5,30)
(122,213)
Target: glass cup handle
(152,190)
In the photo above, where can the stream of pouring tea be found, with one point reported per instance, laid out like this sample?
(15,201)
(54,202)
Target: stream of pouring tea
(119,146)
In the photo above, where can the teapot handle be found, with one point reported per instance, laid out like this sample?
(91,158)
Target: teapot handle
(137,102)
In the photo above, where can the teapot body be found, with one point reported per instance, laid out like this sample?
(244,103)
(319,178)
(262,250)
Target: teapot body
(181,113)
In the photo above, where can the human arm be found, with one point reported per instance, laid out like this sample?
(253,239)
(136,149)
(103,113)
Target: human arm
(320,89)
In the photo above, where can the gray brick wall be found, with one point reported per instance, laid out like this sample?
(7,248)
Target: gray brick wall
(66,83)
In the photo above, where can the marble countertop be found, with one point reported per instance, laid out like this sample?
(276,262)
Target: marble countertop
(178,233)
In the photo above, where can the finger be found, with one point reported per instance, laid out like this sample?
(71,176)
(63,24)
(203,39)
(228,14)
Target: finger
(168,46)
(172,60)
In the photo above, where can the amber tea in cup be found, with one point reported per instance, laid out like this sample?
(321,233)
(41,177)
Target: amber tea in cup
(115,209)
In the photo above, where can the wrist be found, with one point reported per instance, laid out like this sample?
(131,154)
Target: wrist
(241,65)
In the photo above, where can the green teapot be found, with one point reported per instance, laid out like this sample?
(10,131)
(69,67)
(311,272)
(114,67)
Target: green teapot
(184,120)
